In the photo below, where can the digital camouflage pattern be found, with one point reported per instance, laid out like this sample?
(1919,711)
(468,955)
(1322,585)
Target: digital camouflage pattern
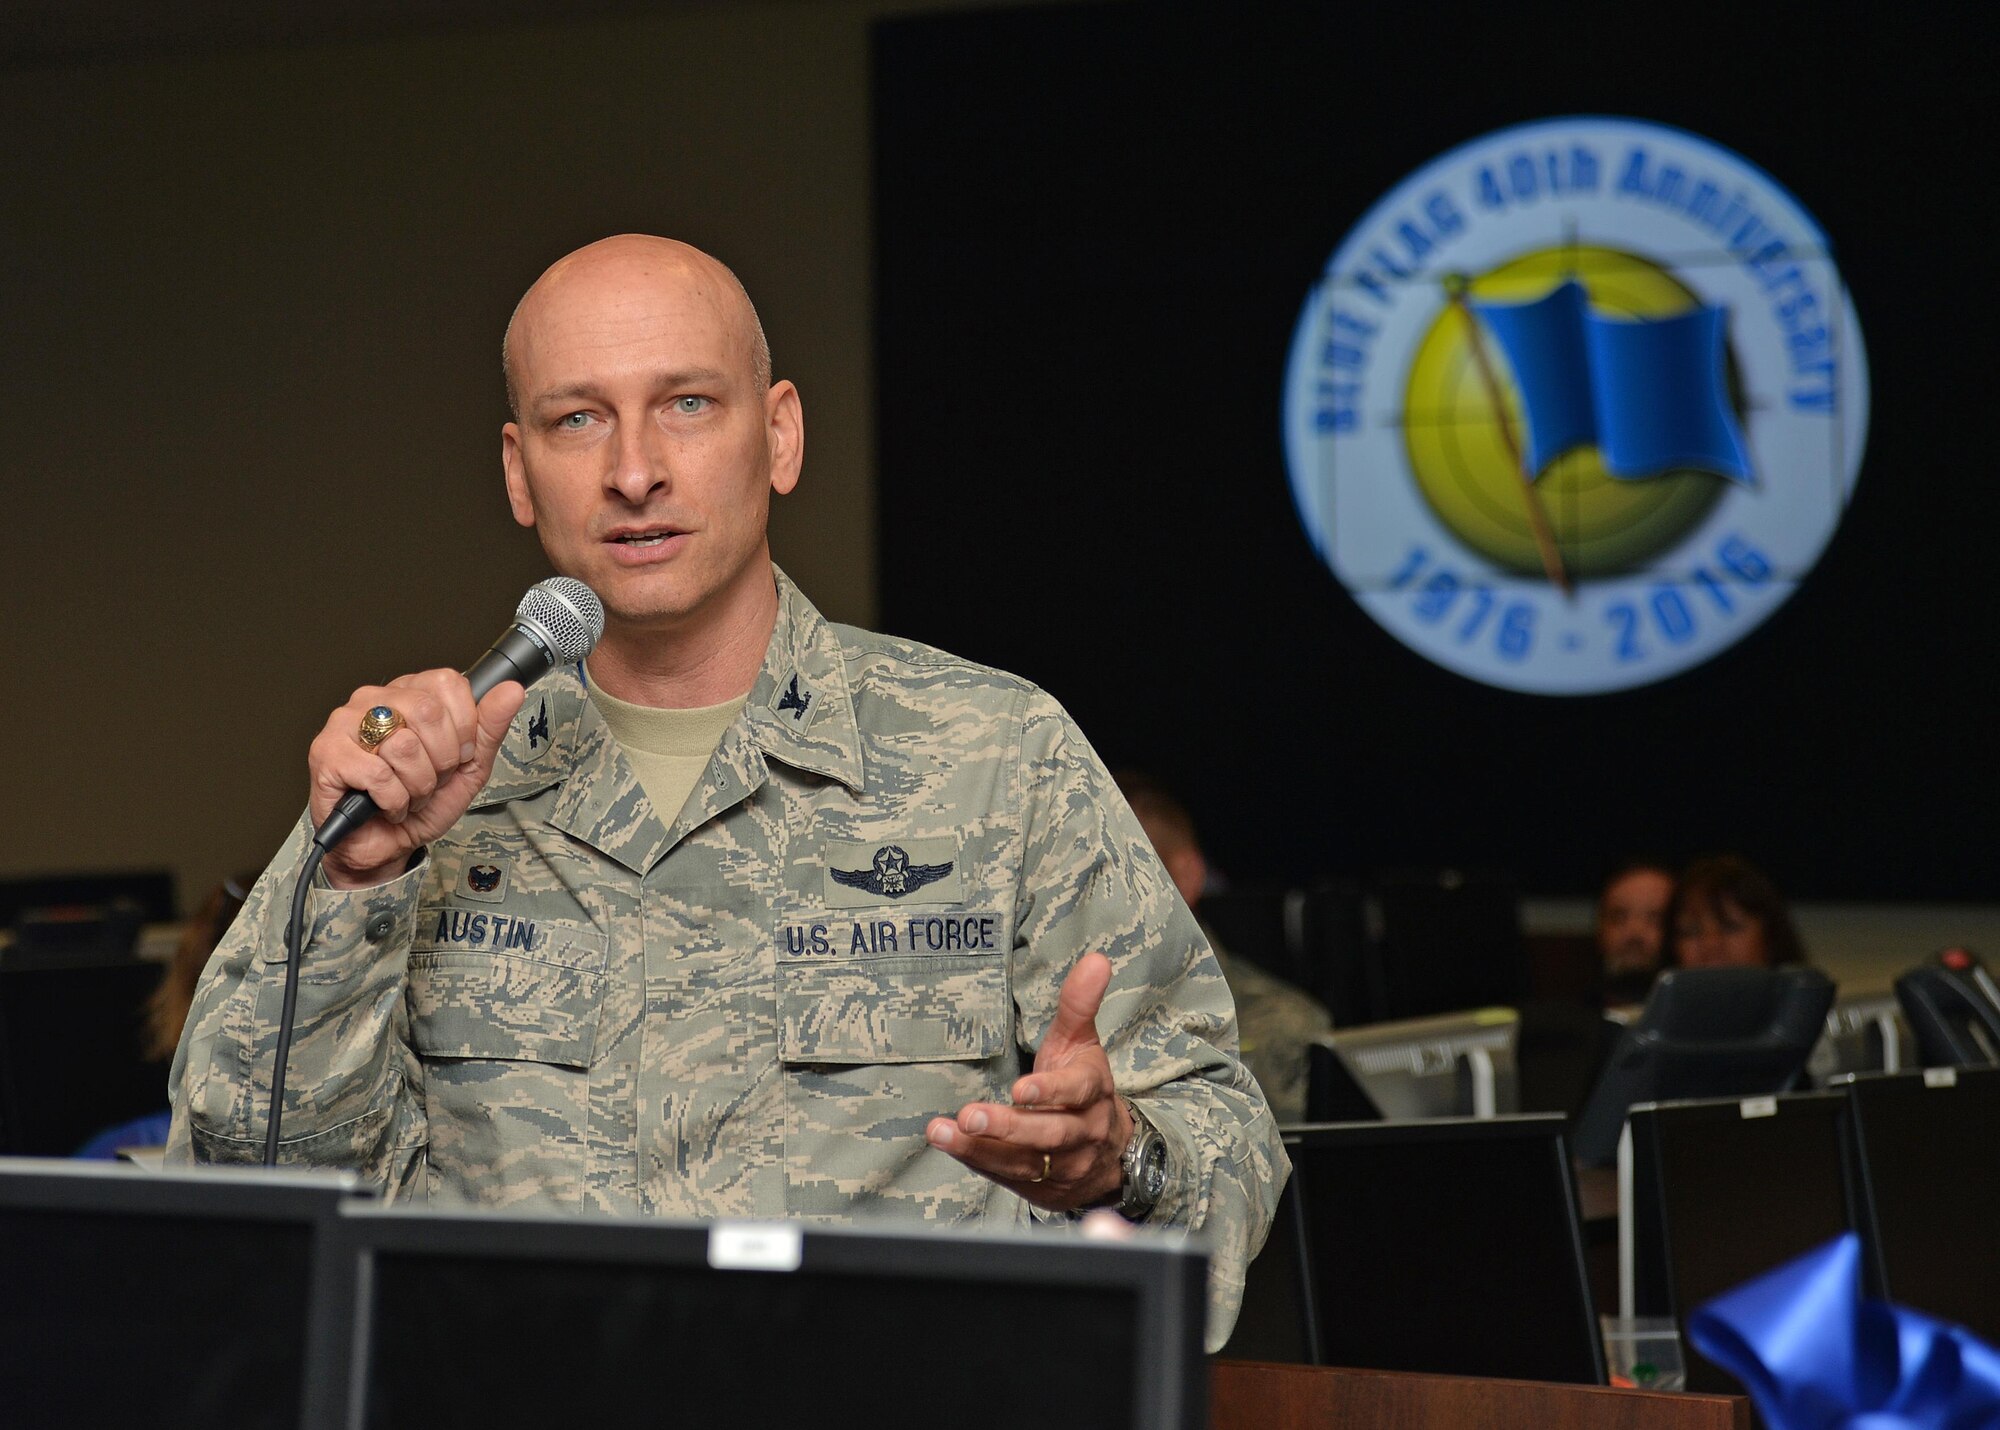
(576,1002)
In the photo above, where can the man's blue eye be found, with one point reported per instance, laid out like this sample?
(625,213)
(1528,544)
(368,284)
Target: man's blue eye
(688,406)
(574,421)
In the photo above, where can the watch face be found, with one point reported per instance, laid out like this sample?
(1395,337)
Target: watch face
(1152,1176)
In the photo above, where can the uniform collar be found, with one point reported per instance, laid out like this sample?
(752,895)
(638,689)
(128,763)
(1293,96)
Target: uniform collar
(800,711)
(540,747)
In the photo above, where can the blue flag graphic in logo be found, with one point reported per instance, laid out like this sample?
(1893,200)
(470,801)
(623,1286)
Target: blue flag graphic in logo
(1648,393)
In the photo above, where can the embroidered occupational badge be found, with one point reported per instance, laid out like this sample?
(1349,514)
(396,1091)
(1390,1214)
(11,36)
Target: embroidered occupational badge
(483,883)
(892,875)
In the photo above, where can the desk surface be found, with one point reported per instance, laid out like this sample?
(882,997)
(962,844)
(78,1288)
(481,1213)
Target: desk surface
(1248,1395)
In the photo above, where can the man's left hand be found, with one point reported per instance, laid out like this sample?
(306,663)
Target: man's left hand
(1061,1142)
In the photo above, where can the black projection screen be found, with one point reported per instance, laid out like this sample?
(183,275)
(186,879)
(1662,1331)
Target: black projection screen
(1096,226)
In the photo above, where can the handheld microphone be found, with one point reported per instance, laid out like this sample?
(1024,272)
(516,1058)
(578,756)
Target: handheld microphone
(557,622)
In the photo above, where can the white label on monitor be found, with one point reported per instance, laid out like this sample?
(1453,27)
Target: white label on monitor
(1758,1107)
(1940,1077)
(753,1246)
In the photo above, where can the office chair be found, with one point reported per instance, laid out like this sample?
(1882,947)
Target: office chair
(1953,1009)
(1707,1032)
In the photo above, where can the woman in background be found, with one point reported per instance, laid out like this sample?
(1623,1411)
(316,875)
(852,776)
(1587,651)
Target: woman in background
(1726,911)
(167,1011)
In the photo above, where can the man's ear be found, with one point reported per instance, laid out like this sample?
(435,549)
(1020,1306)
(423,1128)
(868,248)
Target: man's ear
(518,500)
(785,430)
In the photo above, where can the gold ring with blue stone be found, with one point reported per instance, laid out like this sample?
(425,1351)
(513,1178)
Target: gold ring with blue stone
(378,725)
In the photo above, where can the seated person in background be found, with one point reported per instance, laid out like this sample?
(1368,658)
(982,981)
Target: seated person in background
(167,1011)
(1275,1020)
(1728,913)
(1632,928)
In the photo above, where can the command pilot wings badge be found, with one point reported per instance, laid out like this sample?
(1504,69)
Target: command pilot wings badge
(892,875)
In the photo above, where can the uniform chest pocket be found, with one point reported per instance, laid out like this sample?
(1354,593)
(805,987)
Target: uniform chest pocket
(473,1003)
(893,1010)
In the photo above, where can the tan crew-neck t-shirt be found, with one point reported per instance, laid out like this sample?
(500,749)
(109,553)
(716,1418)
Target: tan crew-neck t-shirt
(668,748)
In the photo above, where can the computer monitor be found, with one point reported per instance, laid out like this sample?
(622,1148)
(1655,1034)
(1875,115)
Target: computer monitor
(163,1299)
(1706,1032)
(1333,1092)
(1276,1321)
(1315,937)
(1713,1194)
(54,938)
(1445,939)
(72,1054)
(500,1321)
(1450,1247)
(152,890)
(1458,1065)
(1927,1161)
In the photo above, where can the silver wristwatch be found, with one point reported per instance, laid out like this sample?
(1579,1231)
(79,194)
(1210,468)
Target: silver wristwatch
(1145,1163)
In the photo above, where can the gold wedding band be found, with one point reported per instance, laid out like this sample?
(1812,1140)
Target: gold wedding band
(378,725)
(1045,1170)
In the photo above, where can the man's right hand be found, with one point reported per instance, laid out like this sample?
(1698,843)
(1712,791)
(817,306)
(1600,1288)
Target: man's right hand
(422,778)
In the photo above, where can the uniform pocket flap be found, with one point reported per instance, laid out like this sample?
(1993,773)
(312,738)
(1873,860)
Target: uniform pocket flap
(893,1011)
(477,1005)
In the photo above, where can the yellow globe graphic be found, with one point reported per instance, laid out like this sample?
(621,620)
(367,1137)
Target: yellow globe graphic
(1465,428)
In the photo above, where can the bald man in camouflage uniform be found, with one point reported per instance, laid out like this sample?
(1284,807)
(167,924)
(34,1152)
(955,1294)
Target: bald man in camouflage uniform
(797,982)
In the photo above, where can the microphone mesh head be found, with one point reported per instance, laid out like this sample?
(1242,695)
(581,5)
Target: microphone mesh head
(568,611)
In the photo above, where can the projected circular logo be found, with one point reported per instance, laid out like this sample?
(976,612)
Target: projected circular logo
(1577,405)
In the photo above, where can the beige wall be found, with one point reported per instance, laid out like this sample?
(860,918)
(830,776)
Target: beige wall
(252,307)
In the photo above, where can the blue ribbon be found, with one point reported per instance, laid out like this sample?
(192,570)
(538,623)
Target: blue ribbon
(1816,1355)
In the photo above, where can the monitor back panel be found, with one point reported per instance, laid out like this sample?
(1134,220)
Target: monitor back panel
(1450,1247)
(1450,939)
(1276,1321)
(152,890)
(129,1299)
(1727,1190)
(525,1324)
(1434,1067)
(1928,1149)
(72,1056)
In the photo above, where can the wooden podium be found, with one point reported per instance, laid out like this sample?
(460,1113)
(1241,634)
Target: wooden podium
(1253,1395)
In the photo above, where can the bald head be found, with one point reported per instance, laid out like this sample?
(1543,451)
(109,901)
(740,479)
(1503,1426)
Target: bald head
(603,273)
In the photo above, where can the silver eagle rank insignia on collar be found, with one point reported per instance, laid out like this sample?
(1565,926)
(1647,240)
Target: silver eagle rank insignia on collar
(790,699)
(530,736)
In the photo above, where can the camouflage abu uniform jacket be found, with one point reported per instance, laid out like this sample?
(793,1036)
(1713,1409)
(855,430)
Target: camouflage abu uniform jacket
(860,918)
